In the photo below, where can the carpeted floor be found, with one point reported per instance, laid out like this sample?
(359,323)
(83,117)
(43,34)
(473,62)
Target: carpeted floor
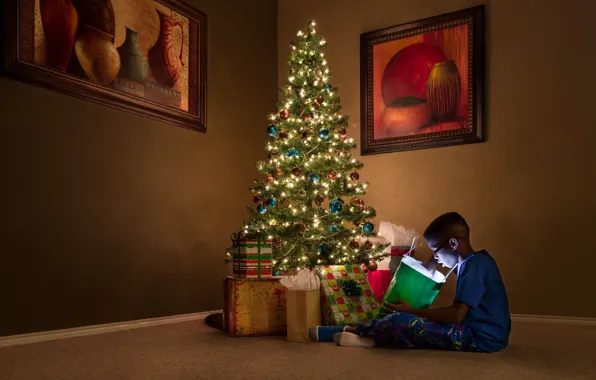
(191,350)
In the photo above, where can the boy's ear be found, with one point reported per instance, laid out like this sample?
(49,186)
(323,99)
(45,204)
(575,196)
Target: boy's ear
(453,243)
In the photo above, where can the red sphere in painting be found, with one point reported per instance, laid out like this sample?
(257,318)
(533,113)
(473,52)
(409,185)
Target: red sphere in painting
(407,72)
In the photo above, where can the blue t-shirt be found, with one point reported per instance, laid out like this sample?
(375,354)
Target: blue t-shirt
(480,286)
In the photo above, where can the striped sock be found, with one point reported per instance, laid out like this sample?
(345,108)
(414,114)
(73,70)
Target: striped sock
(324,333)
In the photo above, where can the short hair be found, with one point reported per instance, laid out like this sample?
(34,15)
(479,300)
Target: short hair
(447,226)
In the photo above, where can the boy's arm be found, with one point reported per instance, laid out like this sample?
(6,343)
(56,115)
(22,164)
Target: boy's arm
(450,314)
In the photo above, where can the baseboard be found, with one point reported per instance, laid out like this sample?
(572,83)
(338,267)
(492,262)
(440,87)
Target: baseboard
(553,319)
(14,340)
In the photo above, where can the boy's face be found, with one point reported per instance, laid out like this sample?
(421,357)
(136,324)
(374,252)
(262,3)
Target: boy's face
(445,251)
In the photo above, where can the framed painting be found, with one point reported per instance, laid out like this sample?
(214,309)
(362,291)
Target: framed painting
(144,56)
(422,83)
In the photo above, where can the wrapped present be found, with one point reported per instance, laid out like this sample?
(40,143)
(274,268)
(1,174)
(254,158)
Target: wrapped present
(254,307)
(346,296)
(251,256)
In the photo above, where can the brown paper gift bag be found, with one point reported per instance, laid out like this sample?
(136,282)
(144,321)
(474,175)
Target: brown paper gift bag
(303,310)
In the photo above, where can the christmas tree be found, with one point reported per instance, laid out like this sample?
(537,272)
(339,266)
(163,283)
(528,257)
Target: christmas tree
(310,202)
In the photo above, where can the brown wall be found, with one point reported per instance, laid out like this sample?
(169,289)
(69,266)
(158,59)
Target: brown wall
(109,216)
(528,193)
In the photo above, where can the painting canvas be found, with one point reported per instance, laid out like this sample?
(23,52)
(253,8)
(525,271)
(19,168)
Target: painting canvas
(422,83)
(143,55)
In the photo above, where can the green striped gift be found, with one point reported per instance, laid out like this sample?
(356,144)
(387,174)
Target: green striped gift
(252,257)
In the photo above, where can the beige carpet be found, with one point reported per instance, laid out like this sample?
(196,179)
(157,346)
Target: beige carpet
(192,350)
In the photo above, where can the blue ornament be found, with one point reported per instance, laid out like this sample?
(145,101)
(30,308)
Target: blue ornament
(323,249)
(272,130)
(336,206)
(271,202)
(261,209)
(276,274)
(324,133)
(313,177)
(292,152)
(327,86)
(369,228)
(333,228)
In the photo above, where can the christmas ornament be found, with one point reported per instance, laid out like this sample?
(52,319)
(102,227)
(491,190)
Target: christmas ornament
(305,135)
(372,266)
(323,249)
(261,209)
(272,130)
(354,244)
(319,199)
(283,203)
(272,155)
(292,153)
(300,227)
(318,101)
(313,177)
(258,198)
(335,206)
(296,172)
(276,242)
(284,114)
(357,202)
(278,172)
(368,228)
(364,268)
(283,135)
(271,202)
(270,180)
(332,174)
(354,176)
(306,117)
(333,228)
(324,133)
(356,223)
(341,200)
(302,192)
(318,73)
(327,86)
(342,133)
(368,244)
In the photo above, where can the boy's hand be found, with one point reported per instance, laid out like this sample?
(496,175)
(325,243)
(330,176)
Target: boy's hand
(399,305)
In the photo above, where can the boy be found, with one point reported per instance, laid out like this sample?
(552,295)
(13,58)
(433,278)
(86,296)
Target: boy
(478,320)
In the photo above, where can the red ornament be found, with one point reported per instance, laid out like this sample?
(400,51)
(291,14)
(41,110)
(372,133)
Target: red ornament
(283,135)
(372,266)
(357,202)
(305,135)
(276,242)
(354,245)
(296,172)
(318,101)
(332,174)
(278,172)
(270,180)
(306,117)
(284,114)
(364,268)
(354,176)
(342,133)
(258,198)
(319,199)
(368,244)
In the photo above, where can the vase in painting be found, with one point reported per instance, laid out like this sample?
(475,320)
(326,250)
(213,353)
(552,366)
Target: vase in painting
(60,21)
(165,64)
(443,89)
(133,64)
(97,55)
